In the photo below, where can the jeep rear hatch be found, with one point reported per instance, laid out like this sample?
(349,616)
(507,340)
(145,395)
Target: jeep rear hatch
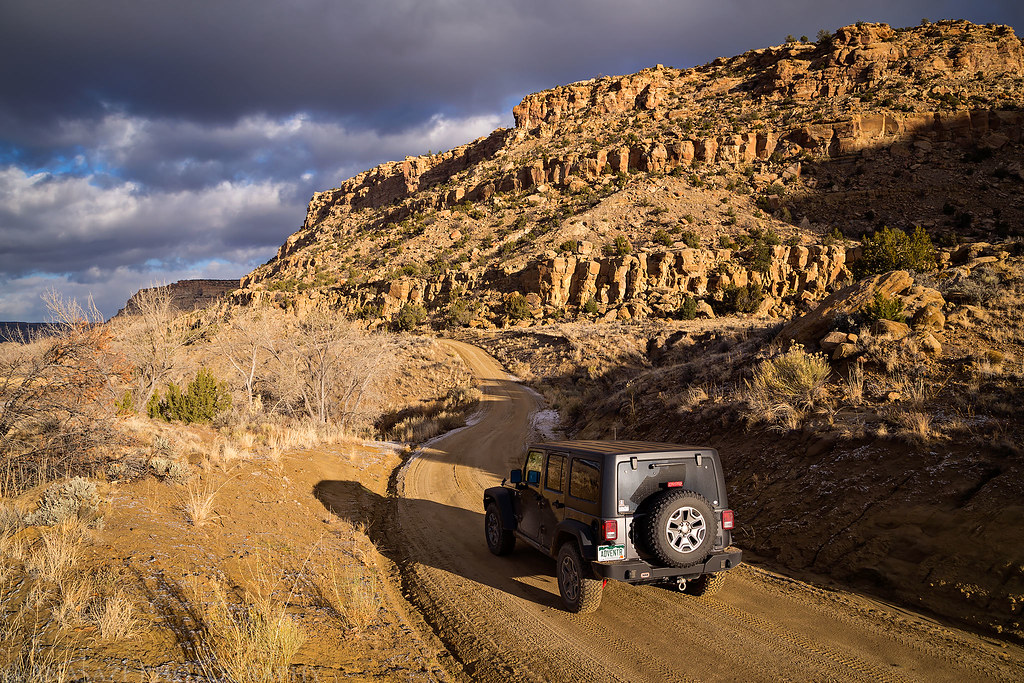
(641,476)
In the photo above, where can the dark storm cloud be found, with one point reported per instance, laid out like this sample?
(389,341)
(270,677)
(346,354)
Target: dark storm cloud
(144,141)
(394,61)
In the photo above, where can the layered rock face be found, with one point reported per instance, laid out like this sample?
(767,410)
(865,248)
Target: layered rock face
(799,134)
(855,60)
(649,284)
(186,295)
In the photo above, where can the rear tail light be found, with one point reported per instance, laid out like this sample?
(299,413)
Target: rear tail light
(727,519)
(673,484)
(610,529)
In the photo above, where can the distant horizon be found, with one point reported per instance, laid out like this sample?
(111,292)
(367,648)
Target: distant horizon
(188,139)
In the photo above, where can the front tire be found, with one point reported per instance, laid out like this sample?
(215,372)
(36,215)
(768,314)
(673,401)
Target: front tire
(500,540)
(581,594)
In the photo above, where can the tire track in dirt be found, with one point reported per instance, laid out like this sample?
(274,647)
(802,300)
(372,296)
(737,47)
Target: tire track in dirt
(501,620)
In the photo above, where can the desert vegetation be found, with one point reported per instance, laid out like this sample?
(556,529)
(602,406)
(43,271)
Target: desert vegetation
(165,412)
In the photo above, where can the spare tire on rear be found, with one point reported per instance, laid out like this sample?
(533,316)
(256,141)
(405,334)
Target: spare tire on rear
(680,528)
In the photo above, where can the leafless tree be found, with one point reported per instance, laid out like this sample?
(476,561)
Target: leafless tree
(246,343)
(56,395)
(331,364)
(152,333)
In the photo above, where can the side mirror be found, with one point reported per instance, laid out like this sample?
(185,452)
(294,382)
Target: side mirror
(516,476)
(533,477)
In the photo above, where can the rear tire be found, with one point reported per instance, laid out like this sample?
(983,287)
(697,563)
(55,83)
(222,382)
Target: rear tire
(680,529)
(705,585)
(500,540)
(581,594)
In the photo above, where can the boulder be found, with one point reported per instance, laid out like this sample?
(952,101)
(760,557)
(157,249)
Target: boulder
(966,316)
(844,351)
(890,329)
(929,317)
(704,310)
(811,327)
(832,340)
(929,343)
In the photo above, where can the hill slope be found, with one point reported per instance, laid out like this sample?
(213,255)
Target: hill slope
(620,196)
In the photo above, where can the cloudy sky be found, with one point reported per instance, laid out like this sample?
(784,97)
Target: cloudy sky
(147,141)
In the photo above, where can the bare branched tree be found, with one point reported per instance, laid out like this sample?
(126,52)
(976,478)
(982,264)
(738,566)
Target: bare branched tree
(152,333)
(246,343)
(331,364)
(56,396)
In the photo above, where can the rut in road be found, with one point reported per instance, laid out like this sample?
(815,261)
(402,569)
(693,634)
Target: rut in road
(501,617)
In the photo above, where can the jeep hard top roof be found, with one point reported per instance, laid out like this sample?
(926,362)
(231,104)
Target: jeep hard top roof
(602,448)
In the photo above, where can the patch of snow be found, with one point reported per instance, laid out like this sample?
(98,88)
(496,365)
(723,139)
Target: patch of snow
(545,423)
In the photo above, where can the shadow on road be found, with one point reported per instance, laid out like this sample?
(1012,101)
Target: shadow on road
(353,502)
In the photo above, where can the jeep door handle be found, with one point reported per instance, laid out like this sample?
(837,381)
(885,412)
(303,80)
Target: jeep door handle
(557,505)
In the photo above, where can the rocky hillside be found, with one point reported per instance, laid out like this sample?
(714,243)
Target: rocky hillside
(623,197)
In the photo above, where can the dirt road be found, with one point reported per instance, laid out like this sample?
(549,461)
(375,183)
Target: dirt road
(501,617)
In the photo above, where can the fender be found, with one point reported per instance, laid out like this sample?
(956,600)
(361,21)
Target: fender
(503,497)
(579,531)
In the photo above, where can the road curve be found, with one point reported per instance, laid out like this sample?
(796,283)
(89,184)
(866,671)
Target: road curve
(500,616)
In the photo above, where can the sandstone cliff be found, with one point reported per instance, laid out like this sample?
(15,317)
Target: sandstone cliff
(870,126)
(186,295)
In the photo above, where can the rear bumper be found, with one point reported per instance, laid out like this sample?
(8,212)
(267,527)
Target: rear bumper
(638,571)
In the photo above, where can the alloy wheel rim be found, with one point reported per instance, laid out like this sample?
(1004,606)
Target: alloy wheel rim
(686,529)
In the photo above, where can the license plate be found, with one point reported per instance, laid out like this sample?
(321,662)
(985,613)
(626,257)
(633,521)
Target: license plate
(606,553)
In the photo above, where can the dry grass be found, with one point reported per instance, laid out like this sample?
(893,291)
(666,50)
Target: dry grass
(116,616)
(351,591)
(37,663)
(197,502)
(917,425)
(785,387)
(75,596)
(855,384)
(426,420)
(57,552)
(253,642)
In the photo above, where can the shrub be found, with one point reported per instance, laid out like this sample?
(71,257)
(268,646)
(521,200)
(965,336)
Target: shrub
(409,316)
(569,246)
(891,249)
(688,311)
(619,247)
(884,308)
(690,239)
(460,313)
(516,307)
(203,399)
(761,258)
(662,237)
(736,299)
(590,307)
(788,383)
(75,498)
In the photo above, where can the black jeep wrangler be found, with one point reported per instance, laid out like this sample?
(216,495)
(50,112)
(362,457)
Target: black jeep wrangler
(632,511)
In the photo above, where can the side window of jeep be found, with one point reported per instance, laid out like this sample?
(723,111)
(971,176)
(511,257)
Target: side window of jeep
(585,480)
(556,466)
(534,467)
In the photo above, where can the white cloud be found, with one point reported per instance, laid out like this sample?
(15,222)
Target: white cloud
(121,229)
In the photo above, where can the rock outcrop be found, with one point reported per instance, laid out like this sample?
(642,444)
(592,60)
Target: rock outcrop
(186,295)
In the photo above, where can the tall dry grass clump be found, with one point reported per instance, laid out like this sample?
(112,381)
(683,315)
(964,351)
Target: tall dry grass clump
(785,387)
(197,501)
(116,616)
(351,591)
(251,642)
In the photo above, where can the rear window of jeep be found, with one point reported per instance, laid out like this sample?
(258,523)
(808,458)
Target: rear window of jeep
(652,475)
